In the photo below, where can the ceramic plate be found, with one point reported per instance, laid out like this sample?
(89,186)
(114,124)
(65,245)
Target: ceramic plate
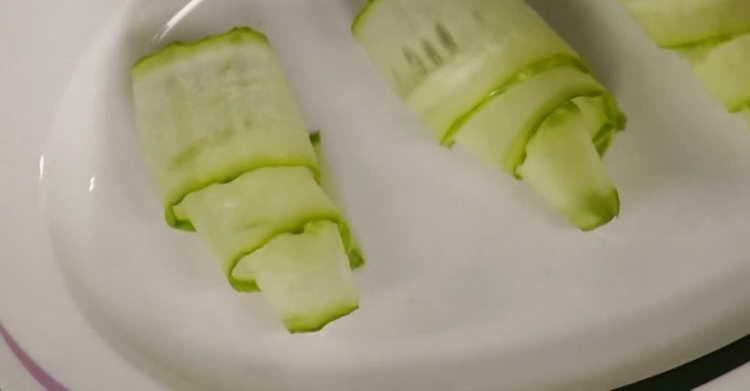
(471,284)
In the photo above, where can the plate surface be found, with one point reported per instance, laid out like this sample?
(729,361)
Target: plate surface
(470,284)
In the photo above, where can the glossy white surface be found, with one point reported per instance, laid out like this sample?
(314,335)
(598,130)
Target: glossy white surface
(739,379)
(470,283)
(13,376)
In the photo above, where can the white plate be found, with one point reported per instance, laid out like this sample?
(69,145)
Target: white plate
(470,284)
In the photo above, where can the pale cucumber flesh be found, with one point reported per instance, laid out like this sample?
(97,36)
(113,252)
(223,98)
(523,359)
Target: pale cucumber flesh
(564,167)
(211,110)
(305,276)
(241,216)
(725,70)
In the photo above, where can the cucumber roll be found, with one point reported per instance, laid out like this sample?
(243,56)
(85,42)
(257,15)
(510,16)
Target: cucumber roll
(230,153)
(494,78)
(714,35)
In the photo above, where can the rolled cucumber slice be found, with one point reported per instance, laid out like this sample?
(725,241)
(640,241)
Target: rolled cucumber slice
(681,23)
(443,57)
(305,276)
(725,70)
(226,143)
(241,216)
(565,168)
(603,119)
(356,255)
(714,35)
(500,131)
(211,110)
(485,75)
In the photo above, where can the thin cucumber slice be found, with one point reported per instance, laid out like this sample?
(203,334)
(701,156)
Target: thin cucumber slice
(212,110)
(682,23)
(714,35)
(454,109)
(226,143)
(696,54)
(356,255)
(305,276)
(565,168)
(725,70)
(596,112)
(239,217)
(604,119)
(444,57)
(177,51)
(500,131)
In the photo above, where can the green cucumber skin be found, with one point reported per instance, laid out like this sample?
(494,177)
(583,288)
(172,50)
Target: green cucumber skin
(521,75)
(356,255)
(490,53)
(356,259)
(185,224)
(523,71)
(316,140)
(680,24)
(516,159)
(299,326)
(607,208)
(239,231)
(500,131)
(180,49)
(354,251)
(361,15)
